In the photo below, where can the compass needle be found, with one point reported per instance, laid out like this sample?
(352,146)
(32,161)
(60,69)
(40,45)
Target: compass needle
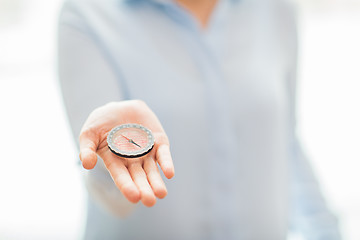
(125,137)
(132,141)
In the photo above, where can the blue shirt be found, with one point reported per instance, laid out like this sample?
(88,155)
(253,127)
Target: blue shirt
(226,98)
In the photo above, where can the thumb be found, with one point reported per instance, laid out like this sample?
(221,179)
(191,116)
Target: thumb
(88,146)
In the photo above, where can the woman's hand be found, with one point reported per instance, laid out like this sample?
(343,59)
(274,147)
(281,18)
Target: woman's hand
(137,178)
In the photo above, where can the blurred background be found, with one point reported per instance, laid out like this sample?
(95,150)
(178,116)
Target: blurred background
(41,194)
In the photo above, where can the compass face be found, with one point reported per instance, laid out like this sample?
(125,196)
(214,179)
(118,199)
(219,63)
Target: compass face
(130,140)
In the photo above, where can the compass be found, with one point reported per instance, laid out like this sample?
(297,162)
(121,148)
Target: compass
(130,140)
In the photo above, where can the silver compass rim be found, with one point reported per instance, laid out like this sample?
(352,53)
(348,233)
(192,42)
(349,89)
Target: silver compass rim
(135,154)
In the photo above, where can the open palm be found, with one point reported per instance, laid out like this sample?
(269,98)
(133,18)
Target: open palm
(137,178)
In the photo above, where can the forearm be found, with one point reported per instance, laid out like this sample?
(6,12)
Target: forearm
(102,188)
(310,213)
(87,82)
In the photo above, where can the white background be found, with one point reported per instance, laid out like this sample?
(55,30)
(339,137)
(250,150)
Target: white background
(41,195)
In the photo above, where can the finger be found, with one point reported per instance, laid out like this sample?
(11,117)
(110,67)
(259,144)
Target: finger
(122,178)
(154,178)
(139,177)
(88,148)
(163,156)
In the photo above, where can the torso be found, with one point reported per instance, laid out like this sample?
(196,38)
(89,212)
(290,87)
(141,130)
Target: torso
(222,98)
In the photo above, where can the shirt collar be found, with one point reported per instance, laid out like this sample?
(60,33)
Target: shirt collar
(163,2)
(160,2)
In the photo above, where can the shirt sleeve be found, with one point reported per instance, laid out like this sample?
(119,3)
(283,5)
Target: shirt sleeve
(87,81)
(309,213)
